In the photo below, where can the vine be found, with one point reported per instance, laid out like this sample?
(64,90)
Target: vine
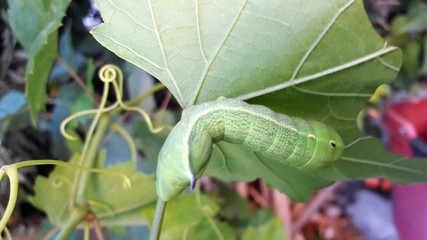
(80,205)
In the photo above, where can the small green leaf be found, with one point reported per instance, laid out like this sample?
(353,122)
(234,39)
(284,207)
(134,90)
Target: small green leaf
(272,229)
(108,198)
(52,195)
(417,18)
(109,191)
(35,24)
(192,216)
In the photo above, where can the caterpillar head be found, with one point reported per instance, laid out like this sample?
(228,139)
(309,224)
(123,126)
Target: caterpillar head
(329,147)
(181,161)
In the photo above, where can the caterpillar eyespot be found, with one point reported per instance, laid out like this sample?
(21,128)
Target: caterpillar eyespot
(292,141)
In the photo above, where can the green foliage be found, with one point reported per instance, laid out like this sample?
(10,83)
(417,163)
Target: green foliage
(272,229)
(192,217)
(318,60)
(408,31)
(35,24)
(109,199)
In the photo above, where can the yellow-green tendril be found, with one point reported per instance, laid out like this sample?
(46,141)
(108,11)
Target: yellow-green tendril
(100,110)
(12,172)
(101,205)
(118,87)
(7,233)
(88,155)
(59,180)
(80,114)
(128,138)
(112,74)
(126,181)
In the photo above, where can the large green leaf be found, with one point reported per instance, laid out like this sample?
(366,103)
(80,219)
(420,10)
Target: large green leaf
(366,158)
(320,60)
(35,24)
(231,162)
(205,49)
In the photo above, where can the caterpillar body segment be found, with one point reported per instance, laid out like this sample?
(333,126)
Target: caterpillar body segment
(290,140)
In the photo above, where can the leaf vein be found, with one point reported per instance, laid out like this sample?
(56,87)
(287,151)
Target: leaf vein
(132,51)
(199,33)
(384,165)
(330,94)
(269,18)
(317,75)
(319,38)
(388,65)
(220,46)
(180,97)
(133,19)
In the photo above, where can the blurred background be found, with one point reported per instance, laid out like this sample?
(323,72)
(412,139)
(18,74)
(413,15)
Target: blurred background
(372,209)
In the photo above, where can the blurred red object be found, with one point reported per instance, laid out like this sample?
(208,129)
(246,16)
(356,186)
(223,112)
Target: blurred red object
(380,184)
(404,132)
(404,127)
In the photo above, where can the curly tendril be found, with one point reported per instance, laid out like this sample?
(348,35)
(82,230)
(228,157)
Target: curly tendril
(116,73)
(12,172)
(58,182)
(128,139)
(110,74)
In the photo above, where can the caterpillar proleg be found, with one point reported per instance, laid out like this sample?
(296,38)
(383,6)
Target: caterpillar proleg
(293,141)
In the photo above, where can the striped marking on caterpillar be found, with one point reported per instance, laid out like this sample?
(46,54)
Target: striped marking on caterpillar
(293,141)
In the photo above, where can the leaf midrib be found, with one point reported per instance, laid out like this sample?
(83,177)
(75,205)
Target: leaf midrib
(317,75)
(208,66)
(384,166)
(165,60)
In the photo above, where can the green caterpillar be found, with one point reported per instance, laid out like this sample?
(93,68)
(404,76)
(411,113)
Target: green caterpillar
(290,140)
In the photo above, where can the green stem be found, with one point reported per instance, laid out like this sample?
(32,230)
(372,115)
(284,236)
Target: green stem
(144,95)
(80,210)
(89,160)
(78,214)
(158,220)
(86,234)
(90,148)
(207,211)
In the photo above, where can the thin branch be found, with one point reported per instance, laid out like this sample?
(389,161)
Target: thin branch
(313,206)
(78,80)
